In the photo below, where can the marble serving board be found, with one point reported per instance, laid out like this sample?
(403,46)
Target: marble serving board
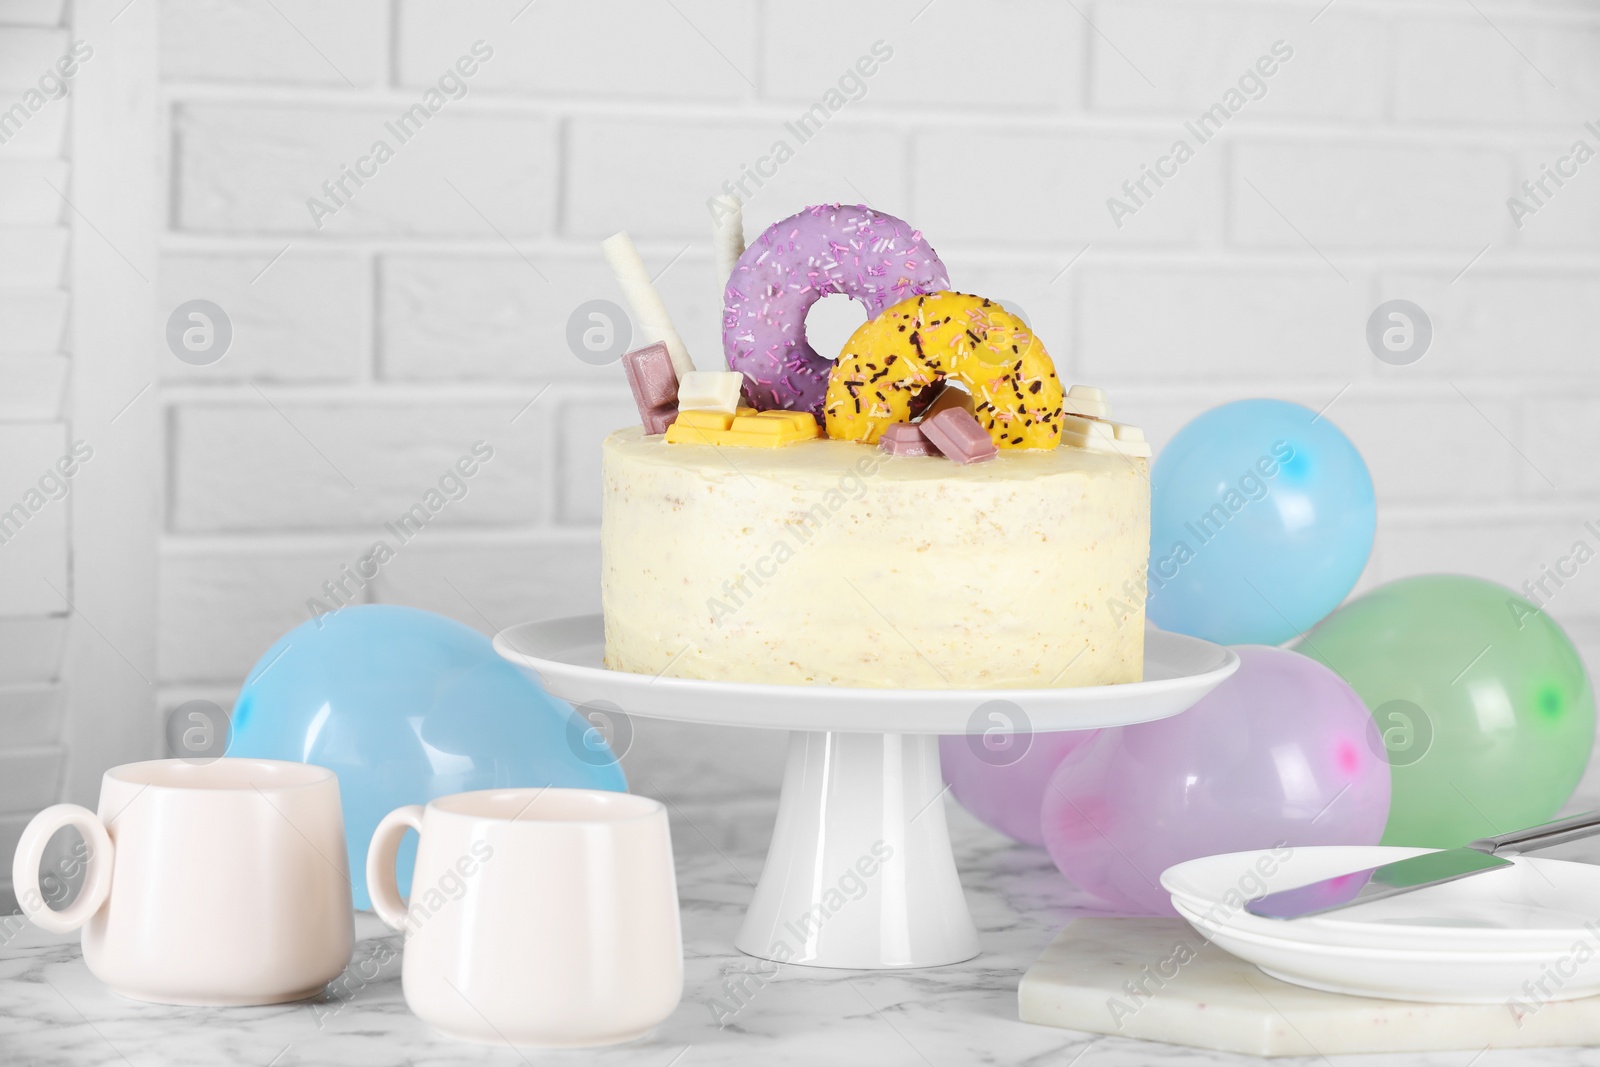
(1159,980)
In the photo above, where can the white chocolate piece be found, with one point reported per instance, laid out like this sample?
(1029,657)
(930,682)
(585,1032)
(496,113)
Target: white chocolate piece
(710,390)
(831,563)
(1102,435)
(1130,440)
(1081,431)
(648,310)
(1086,400)
(727,235)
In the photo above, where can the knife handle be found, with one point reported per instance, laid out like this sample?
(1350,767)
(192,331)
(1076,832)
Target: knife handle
(1559,832)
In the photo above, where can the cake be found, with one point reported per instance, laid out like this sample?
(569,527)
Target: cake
(840,565)
(930,510)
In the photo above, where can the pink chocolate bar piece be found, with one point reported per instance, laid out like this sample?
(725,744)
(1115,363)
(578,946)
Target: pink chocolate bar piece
(906,439)
(656,420)
(651,376)
(959,436)
(654,383)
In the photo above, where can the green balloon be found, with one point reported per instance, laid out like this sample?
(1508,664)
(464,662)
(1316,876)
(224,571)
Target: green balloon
(1479,701)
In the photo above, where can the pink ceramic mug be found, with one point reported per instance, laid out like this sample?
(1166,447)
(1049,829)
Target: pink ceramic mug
(540,917)
(217,883)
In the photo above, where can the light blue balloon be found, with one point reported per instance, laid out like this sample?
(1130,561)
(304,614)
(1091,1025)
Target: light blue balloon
(1261,521)
(406,705)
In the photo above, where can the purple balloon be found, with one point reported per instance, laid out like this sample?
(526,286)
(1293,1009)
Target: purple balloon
(1002,792)
(1280,753)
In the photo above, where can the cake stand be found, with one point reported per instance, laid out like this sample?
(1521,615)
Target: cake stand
(860,873)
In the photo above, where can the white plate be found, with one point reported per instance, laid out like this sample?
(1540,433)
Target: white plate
(1438,977)
(1534,905)
(1198,920)
(566,655)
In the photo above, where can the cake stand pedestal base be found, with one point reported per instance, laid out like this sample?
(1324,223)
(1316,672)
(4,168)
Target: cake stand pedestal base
(860,872)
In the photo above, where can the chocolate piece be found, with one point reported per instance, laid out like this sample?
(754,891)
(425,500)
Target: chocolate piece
(709,421)
(1087,401)
(906,439)
(654,383)
(1103,435)
(959,436)
(656,420)
(1082,431)
(650,375)
(746,428)
(710,390)
(772,429)
(951,397)
(1130,440)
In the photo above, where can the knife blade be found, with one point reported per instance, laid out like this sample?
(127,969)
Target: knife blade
(1419,872)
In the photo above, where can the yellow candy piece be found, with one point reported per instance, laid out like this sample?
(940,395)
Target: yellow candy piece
(925,339)
(698,427)
(704,420)
(772,429)
(748,428)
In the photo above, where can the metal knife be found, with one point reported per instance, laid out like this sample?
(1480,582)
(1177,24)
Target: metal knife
(1419,872)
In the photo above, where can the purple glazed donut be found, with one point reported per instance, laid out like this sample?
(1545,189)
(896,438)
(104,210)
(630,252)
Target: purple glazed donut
(874,258)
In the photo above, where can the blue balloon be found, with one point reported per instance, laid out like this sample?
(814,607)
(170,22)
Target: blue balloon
(1261,521)
(406,705)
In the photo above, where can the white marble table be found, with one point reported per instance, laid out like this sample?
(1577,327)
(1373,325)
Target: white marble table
(53,1012)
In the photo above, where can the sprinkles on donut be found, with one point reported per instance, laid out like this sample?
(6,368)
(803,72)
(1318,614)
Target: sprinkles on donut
(874,258)
(924,340)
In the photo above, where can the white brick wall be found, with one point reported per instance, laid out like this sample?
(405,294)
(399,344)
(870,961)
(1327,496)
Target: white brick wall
(428,311)
(805,47)
(265,466)
(248,168)
(34,564)
(294,325)
(209,41)
(1192,52)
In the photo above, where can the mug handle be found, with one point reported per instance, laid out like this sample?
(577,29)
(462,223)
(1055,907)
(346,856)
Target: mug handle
(382,886)
(30,853)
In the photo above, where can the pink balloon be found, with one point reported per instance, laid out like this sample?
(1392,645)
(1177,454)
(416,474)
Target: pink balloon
(1281,753)
(1003,791)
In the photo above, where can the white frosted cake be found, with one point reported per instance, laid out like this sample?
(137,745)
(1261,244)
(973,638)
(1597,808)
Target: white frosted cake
(928,510)
(842,565)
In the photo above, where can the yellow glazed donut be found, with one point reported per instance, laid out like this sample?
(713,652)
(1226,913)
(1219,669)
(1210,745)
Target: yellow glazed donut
(923,340)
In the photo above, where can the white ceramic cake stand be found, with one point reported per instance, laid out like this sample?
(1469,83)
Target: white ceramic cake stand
(860,873)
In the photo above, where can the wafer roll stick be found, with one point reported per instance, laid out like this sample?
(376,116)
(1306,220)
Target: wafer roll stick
(727,234)
(649,311)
